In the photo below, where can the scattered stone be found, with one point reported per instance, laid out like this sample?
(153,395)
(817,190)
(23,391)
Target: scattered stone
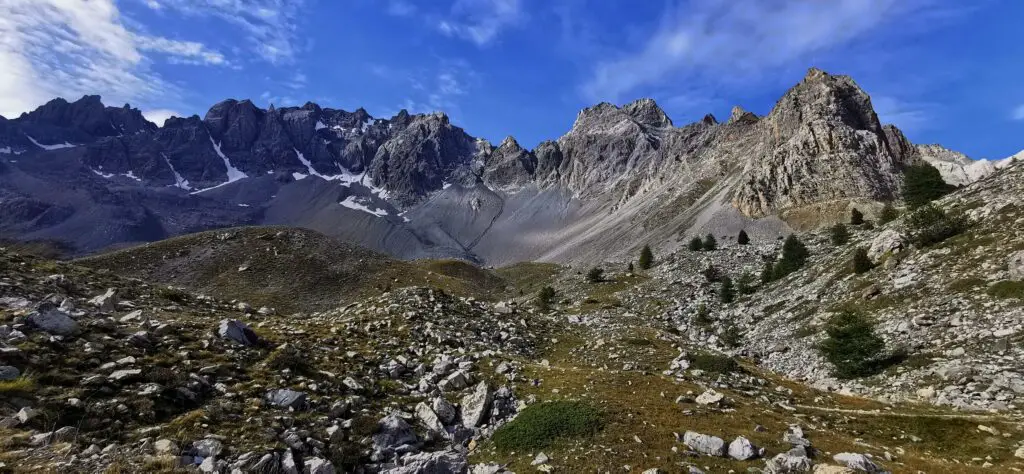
(741,449)
(8,372)
(705,444)
(237,331)
(286,398)
(475,406)
(857,462)
(107,302)
(54,321)
(710,397)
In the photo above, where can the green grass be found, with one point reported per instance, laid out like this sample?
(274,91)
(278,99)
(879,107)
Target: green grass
(541,424)
(18,387)
(1007,289)
(965,284)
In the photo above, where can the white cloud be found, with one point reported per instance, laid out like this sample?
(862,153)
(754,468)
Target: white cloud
(71,48)
(909,117)
(481,21)
(1018,113)
(743,37)
(401,8)
(158,116)
(297,81)
(270,25)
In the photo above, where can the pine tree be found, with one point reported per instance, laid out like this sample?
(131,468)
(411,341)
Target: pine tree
(742,238)
(710,243)
(923,184)
(712,274)
(544,298)
(629,268)
(595,275)
(696,244)
(856,217)
(794,256)
(767,272)
(861,262)
(646,257)
(745,283)
(853,348)
(728,291)
(888,214)
(839,234)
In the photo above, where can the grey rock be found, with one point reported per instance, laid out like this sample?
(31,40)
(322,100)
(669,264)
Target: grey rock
(207,447)
(286,398)
(428,418)
(887,241)
(856,461)
(1015,263)
(237,331)
(319,466)
(393,433)
(475,406)
(440,462)
(742,449)
(705,444)
(444,410)
(54,321)
(107,302)
(8,372)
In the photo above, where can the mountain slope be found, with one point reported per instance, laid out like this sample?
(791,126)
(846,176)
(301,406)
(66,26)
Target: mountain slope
(417,186)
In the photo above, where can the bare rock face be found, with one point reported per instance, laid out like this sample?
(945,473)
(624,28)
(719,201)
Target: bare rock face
(824,142)
(958,169)
(509,166)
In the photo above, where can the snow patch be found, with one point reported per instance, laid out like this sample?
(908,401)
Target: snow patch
(346,178)
(299,176)
(353,202)
(243,205)
(131,174)
(100,173)
(49,147)
(234,174)
(5,150)
(319,125)
(446,185)
(179,181)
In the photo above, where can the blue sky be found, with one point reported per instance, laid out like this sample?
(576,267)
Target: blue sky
(948,72)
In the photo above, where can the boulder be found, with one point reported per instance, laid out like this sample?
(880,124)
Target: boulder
(392,434)
(887,241)
(237,331)
(794,461)
(428,418)
(8,372)
(475,406)
(1015,263)
(319,466)
(857,462)
(285,398)
(444,410)
(440,462)
(107,302)
(741,449)
(207,447)
(710,397)
(54,321)
(704,444)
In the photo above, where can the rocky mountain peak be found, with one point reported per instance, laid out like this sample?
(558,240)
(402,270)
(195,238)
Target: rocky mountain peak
(647,112)
(510,143)
(740,115)
(709,119)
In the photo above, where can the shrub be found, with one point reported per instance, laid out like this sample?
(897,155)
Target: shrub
(710,243)
(767,272)
(646,257)
(853,348)
(742,238)
(288,358)
(861,263)
(21,386)
(923,184)
(727,293)
(703,316)
(856,217)
(712,274)
(888,214)
(544,298)
(595,275)
(538,425)
(745,283)
(713,363)
(696,244)
(930,225)
(1007,289)
(794,256)
(731,336)
(839,234)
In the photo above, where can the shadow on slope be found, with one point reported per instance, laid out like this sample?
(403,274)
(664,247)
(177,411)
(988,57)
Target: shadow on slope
(289,269)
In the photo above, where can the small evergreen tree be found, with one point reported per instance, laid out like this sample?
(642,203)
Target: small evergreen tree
(703,316)
(767,272)
(743,238)
(794,256)
(727,293)
(629,268)
(840,235)
(745,283)
(923,184)
(888,214)
(696,244)
(646,257)
(861,262)
(544,298)
(731,336)
(856,217)
(712,274)
(710,243)
(930,225)
(853,348)
(595,275)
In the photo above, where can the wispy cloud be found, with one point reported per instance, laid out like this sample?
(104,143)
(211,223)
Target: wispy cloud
(54,48)
(270,26)
(481,21)
(908,116)
(1018,113)
(717,39)
(158,116)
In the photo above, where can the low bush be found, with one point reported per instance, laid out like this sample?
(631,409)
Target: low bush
(1007,289)
(595,275)
(930,225)
(540,424)
(853,348)
(714,363)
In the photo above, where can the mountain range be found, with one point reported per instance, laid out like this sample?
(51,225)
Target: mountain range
(416,185)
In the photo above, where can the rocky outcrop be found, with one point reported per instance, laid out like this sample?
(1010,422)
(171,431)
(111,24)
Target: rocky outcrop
(823,142)
(509,166)
(958,169)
